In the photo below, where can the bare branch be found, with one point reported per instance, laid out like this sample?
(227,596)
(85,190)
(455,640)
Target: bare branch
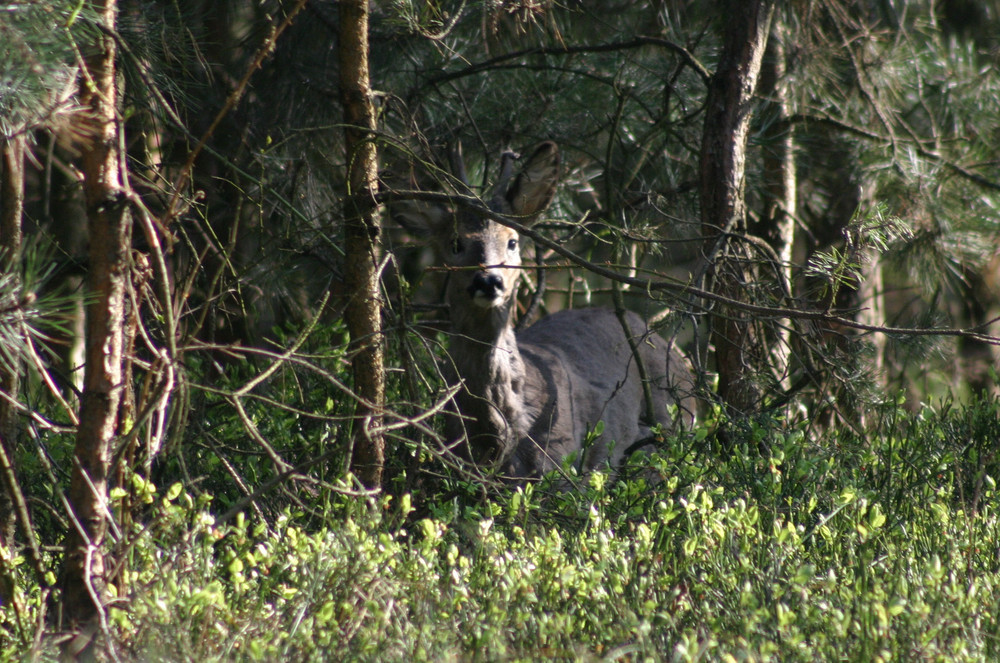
(638,42)
(262,54)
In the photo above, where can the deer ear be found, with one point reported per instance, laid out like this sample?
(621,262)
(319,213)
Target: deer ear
(420,218)
(535,186)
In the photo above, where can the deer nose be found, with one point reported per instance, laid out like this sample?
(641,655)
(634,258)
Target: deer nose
(487,285)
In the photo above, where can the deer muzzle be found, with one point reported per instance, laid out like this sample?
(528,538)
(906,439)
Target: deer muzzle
(486,289)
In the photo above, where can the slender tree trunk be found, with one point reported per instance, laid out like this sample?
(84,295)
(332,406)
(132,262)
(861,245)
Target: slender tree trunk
(83,574)
(980,305)
(11,208)
(364,311)
(776,225)
(723,208)
(13,506)
(873,310)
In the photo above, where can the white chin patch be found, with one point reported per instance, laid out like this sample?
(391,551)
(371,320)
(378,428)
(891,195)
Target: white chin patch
(482,301)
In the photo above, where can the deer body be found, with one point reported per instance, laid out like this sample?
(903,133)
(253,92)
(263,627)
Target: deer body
(530,398)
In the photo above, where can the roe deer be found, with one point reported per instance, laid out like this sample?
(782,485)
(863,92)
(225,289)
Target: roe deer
(529,399)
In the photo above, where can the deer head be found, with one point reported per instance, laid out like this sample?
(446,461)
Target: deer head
(485,255)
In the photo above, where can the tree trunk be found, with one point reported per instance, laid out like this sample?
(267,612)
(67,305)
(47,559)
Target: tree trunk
(776,225)
(83,574)
(11,208)
(723,208)
(363,312)
(980,307)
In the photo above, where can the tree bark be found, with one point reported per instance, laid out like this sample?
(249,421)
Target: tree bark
(776,224)
(364,311)
(83,574)
(11,209)
(723,206)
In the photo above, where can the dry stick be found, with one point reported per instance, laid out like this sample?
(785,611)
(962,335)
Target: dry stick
(638,42)
(102,500)
(647,392)
(180,125)
(43,457)
(279,405)
(619,299)
(235,397)
(403,315)
(21,511)
(95,597)
(24,518)
(46,378)
(251,498)
(269,371)
(146,216)
(240,483)
(539,294)
(87,576)
(41,627)
(225,253)
(156,404)
(328,376)
(251,428)
(262,54)
(160,262)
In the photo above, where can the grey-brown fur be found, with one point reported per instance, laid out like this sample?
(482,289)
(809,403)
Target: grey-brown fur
(529,399)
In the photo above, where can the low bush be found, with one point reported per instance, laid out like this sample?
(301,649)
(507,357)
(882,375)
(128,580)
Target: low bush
(816,549)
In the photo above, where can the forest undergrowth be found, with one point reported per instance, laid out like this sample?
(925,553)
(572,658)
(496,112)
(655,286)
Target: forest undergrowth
(785,543)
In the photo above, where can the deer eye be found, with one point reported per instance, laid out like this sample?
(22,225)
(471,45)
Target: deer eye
(512,245)
(457,246)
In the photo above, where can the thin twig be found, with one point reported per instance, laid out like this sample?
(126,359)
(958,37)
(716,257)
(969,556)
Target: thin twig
(638,42)
(240,483)
(280,359)
(29,346)
(16,496)
(251,428)
(234,97)
(539,294)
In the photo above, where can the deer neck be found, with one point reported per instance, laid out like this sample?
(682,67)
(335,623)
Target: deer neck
(484,349)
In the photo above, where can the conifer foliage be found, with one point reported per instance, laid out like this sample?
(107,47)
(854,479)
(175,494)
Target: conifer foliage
(198,289)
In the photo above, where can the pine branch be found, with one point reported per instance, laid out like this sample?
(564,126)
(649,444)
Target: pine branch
(868,134)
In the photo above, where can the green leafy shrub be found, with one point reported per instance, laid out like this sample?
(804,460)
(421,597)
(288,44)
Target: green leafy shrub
(783,547)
